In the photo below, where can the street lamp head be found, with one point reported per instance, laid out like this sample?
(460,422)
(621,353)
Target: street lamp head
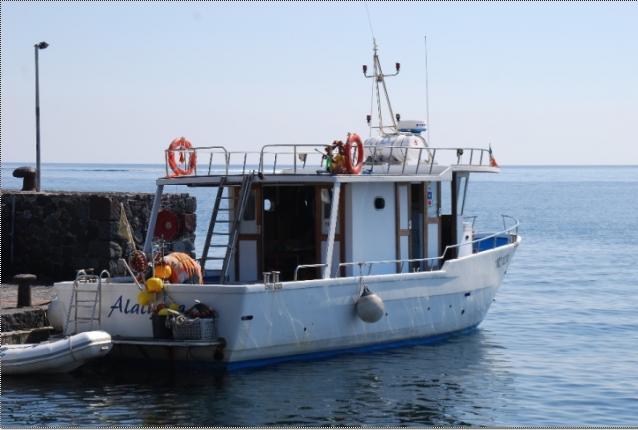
(42,45)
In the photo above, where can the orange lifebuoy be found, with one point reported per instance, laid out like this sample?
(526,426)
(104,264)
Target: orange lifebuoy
(181,146)
(354,168)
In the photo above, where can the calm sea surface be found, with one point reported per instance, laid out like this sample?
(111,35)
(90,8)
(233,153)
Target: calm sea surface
(559,347)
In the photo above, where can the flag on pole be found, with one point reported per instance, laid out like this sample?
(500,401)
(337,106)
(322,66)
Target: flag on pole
(493,162)
(124,228)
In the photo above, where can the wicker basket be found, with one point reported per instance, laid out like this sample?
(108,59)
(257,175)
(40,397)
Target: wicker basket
(194,329)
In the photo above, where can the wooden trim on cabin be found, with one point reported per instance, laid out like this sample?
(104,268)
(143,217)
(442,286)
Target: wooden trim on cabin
(410,220)
(318,225)
(248,236)
(397,225)
(454,195)
(259,203)
(342,227)
(424,194)
(236,256)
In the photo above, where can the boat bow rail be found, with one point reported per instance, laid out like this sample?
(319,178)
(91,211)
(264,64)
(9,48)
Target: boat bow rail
(483,242)
(308,159)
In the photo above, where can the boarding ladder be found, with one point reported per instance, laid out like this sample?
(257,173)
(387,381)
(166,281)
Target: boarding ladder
(234,214)
(85,306)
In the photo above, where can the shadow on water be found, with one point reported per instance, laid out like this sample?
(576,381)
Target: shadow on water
(456,382)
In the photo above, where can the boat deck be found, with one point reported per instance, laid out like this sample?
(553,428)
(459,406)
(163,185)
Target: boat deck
(301,162)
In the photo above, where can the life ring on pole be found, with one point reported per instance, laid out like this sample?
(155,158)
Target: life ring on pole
(353,167)
(183,147)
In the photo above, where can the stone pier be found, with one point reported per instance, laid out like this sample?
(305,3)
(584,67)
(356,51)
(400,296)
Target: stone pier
(53,234)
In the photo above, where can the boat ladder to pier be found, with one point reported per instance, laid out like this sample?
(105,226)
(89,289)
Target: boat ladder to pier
(85,306)
(236,207)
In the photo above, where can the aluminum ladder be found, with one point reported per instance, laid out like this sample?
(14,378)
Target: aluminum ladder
(85,306)
(231,235)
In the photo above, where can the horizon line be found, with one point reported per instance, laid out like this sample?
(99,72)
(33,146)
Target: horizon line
(2,163)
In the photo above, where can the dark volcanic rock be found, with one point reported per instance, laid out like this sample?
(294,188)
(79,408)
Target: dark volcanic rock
(53,234)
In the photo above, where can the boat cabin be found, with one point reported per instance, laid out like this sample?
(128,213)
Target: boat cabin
(390,204)
(288,218)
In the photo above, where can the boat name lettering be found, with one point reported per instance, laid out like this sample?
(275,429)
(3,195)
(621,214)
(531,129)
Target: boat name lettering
(126,308)
(502,260)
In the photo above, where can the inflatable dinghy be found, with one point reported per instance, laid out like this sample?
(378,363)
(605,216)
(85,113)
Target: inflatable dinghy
(54,356)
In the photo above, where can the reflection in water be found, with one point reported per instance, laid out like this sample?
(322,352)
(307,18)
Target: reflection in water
(451,383)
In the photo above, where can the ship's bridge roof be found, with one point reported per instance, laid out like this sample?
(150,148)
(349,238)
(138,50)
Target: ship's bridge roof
(307,164)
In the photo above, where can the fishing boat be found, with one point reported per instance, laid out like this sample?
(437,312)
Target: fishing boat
(315,249)
(54,356)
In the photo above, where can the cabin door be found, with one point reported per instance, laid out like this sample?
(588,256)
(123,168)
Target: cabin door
(289,230)
(411,231)
(432,209)
(417,226)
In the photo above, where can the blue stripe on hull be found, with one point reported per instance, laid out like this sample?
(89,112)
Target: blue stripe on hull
(238,365)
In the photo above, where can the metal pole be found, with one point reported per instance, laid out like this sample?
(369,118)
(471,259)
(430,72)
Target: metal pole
(157,202)
(37,120)
(334,213)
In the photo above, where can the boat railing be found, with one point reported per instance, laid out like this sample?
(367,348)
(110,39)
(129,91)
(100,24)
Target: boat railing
(509,232)
(309,158)
(307,266)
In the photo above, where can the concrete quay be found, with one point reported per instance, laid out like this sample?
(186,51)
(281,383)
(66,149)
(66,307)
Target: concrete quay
(26,324)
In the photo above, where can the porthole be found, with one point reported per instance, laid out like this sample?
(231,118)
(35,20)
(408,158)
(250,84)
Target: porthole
(268,205)
(379,203)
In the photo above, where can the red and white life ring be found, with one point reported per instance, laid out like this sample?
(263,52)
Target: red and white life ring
(353,167)
(182,146)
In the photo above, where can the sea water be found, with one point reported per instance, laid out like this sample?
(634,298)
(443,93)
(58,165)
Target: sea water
(559,346)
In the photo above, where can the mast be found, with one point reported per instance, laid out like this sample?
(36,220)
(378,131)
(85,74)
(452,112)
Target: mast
(381,89)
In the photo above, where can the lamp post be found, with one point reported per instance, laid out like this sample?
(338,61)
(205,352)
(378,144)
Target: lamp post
(37,46)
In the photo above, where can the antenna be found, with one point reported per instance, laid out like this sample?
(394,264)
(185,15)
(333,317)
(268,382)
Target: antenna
(369,20)
(427,95)
(378,82)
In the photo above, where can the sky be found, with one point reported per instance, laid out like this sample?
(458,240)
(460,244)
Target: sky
(543,83)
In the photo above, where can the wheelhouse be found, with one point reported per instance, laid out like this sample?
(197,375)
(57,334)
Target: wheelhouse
(280,215)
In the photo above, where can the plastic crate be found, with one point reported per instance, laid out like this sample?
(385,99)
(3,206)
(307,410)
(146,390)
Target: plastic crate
(194,329)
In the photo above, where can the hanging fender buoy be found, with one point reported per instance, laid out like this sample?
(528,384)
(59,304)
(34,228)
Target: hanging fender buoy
(182,148)
(369,306)
(354,144)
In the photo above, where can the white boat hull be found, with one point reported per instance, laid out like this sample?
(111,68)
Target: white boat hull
(317,316)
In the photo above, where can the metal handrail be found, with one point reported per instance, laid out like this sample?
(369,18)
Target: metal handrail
(506,230)
(194,151)
(308,266)
(376,155)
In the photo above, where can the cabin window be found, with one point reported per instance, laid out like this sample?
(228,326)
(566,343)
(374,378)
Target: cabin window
(379,203)
(446,198)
